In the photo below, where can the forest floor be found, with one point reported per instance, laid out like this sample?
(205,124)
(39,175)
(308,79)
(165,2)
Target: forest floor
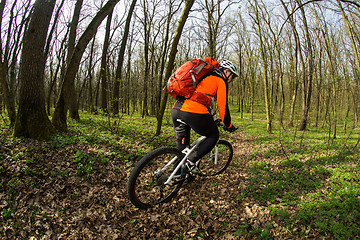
(76,189)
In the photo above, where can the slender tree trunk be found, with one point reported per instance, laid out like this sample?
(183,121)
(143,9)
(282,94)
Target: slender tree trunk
(7,93)
(296,76)
(170,65)
(128,95)
(308,78)
(163,57)
(242,83)
(327,105)
(53,80)
(55,21)
(318,87)
(252,95)
(265,68)
(32,120)
(147,29)
(91,98)
(8,97)
(104,67)
(356,51)
(59,116)
(71,102)
(118,73)
(210,22)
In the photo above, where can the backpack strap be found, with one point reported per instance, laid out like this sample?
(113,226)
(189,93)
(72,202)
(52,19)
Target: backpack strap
(216,72)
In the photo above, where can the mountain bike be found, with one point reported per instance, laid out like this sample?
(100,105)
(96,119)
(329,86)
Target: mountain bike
(159,175)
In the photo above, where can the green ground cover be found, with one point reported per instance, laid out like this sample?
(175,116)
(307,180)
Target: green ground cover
(305,184)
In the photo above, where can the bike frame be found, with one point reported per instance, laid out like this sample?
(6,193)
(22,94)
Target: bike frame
(187,151)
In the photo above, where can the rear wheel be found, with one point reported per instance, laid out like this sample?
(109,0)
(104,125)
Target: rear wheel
(146,186)
(211,165)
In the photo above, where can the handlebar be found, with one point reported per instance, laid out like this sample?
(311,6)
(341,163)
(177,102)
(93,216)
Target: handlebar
(219,123)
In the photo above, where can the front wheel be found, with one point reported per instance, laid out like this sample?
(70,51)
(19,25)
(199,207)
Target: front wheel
(146,186)
(217,160)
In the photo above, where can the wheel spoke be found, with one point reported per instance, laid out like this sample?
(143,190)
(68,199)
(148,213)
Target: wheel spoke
(148,181)
(210,165)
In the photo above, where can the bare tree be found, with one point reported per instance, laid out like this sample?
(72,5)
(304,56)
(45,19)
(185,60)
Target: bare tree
(72,103)
(355,43)
(59,116)
(164,51)
(170,65)
(217,30)
(10,51)
(104,73)
(308,72)
(118,73)
(257,20)
(147,28)
(90,95)
(59,66)
(295,61)
(32,120)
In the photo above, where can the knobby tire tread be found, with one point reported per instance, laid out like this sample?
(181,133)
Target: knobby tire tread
(140,166)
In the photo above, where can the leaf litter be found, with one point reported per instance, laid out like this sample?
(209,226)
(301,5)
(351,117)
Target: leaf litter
(51,196)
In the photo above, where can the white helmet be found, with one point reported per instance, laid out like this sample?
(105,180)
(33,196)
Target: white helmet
(229,65)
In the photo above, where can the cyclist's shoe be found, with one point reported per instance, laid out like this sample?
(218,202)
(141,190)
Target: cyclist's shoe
(179,175)
(192,167)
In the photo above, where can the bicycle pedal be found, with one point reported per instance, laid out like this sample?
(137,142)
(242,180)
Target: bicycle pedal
(191,178)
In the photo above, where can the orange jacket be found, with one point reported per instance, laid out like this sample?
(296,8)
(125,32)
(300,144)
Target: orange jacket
(214,86)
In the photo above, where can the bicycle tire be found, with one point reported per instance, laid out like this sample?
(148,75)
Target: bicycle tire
(207,165)
(147,189)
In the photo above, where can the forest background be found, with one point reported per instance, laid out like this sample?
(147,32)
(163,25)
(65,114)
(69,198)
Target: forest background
(299,68)
(296,58)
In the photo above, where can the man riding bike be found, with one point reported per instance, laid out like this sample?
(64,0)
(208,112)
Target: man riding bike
(188,114)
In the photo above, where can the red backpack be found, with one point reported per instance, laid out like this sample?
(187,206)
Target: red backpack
(185,79)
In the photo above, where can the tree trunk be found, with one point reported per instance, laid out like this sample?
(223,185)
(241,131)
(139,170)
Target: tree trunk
(104,67)
(90,78)
(307,78)
(55,23)
(147,29)
(7,93)
(355,48)
(53,80)
(128,95)
(333,64)
(71,102)
(265,68)
(8,96)
(170,65)
(118,74)
(296,76)
(164,51)
(211,34)
(32,120)
(59,116)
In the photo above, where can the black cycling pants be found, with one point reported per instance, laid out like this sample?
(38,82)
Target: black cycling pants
(202,124)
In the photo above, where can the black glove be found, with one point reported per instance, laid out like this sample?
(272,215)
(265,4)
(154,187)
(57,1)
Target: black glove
(218,122)
(231,129)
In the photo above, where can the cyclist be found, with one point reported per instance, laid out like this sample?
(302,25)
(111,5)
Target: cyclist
(188,114)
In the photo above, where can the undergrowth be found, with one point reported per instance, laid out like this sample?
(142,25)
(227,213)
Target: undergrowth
(308,181)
